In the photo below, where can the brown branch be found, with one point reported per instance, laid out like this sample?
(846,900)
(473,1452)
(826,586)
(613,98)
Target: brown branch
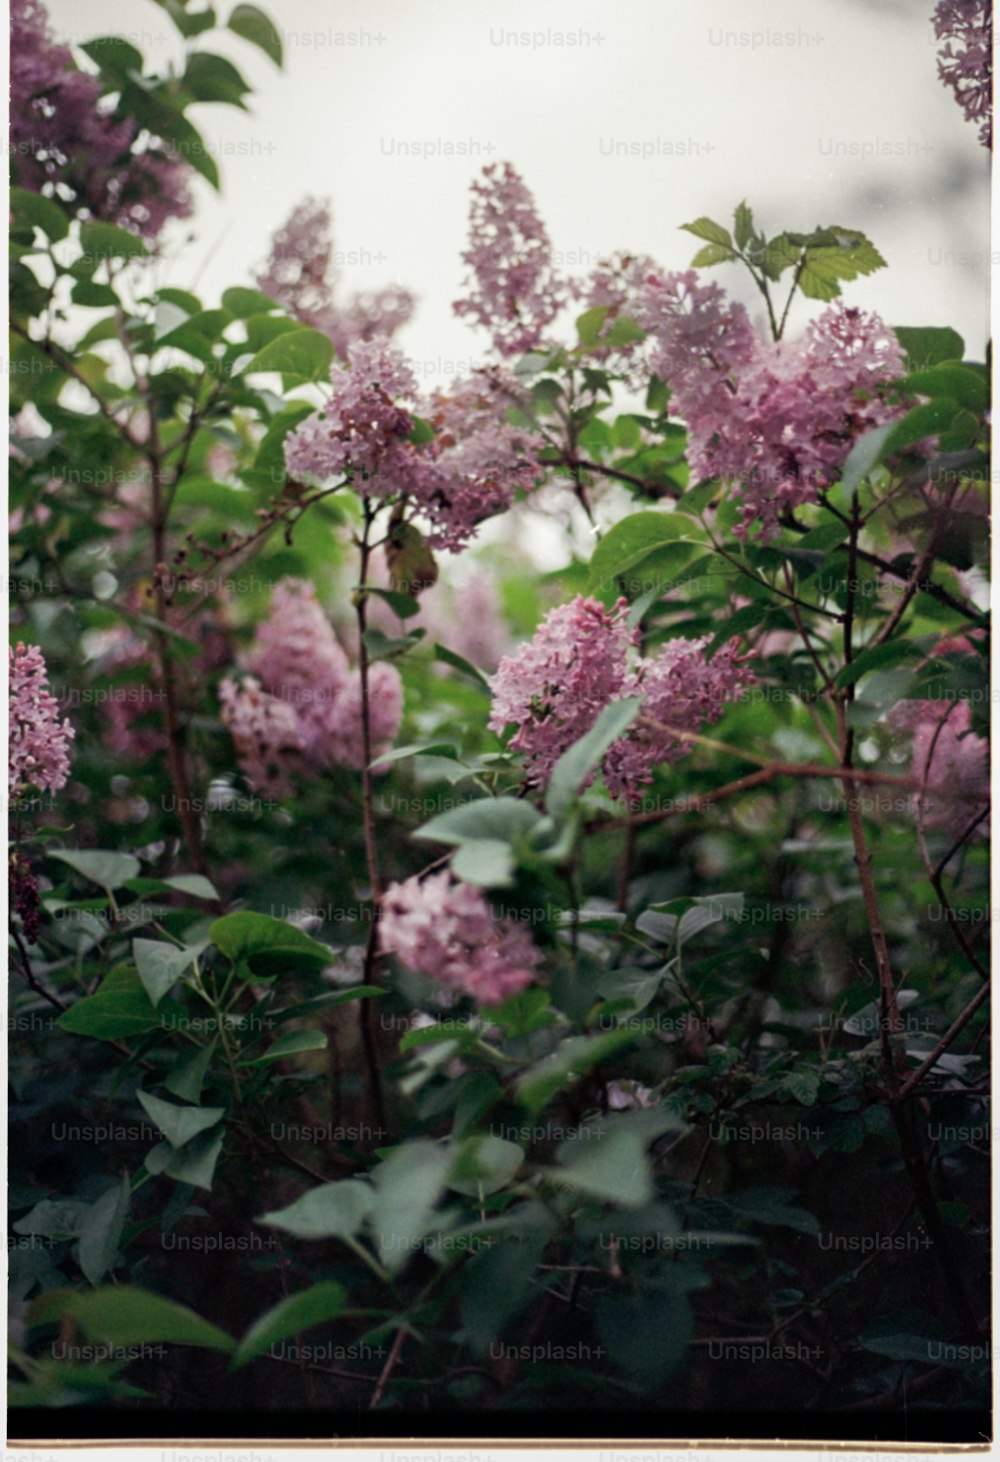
(366,1012)
(953,1030)
(388,1368)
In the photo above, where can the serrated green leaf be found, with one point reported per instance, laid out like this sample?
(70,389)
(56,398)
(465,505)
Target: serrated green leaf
(706,228)
(713,254)
(743,225)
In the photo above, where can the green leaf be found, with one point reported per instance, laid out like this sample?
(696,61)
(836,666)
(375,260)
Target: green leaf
(877,658)
(269,946)
(161,965)
(54,1218)
(256,27)
(179,1124)
(421,432)
(291,1316)
(623,331)
(968,388)
(407,1187)
(211,78)
(195,1162)
(101,1231)
(40,211)
(322,1002)
(865,455)
(449,657)
(290,1045)
(631,540)
(383,647)
(195,884)
(923,421)
(703,912)
(570,1060)
(743,224)
(93,296)
(778,255)
(189,25)
(108,870)
(485,862)
(607,1163)
(496,1284)
(502,819)
(334,1211)
(577,763)
(929,345)
(803,1084)
(404,606)
(119,1008)
(243,303)
(826,265)
(106,241)
(182,298)
(186,1078)
(713,254)
(590,324)
(714,233)
(124,1316)
(484,1164)
(115,56)
(419,748)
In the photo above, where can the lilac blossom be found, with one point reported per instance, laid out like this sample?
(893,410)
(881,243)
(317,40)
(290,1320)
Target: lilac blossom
(38,744)
(300,275)
(64,140)
(774,420)
(965,60)
(556,685)
(445,930)
(513,290)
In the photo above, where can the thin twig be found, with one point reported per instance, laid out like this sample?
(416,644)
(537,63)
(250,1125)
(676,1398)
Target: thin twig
(388,1368)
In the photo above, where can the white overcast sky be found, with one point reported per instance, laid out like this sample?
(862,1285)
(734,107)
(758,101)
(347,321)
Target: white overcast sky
(817,111)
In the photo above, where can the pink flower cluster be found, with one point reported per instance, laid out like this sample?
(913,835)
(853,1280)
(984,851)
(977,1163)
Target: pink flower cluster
(445,929)
(38,742)
(361,430)
(554,687)
(62,140)
(480,458)
(469,472)
(299,274)
(513,290)
(299,709)
(965,61)
(947,754)
(682,691)
(774,420)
